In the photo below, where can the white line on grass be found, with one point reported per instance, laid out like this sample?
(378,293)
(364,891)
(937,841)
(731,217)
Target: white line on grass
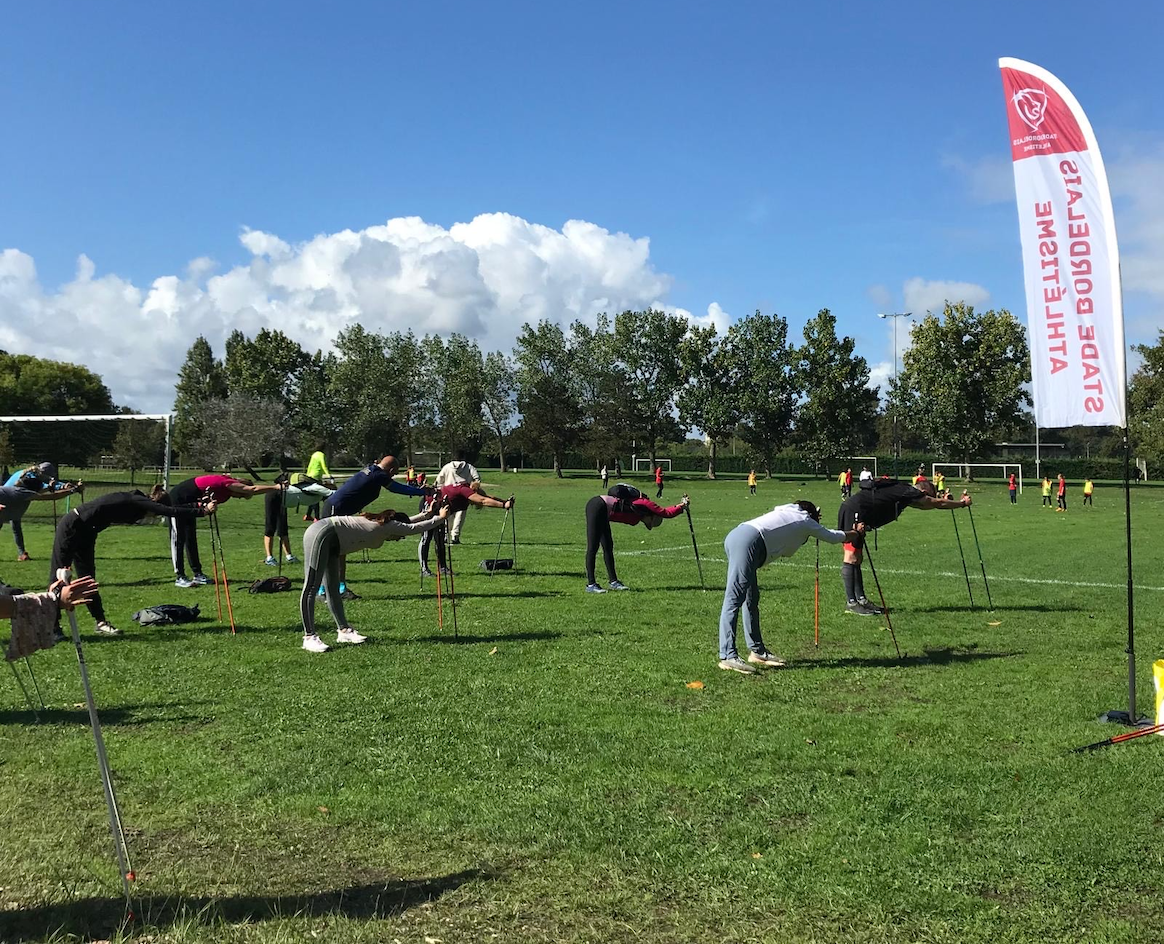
(1002,578)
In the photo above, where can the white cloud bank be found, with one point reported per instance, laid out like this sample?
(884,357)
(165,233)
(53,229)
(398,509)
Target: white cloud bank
(483,278)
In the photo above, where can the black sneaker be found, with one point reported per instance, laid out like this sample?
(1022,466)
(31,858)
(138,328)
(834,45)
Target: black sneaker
(870,605)
(349,594)
(854,607)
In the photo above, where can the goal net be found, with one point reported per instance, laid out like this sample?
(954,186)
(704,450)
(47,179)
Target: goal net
(976,471)
(108,452)
(641,464)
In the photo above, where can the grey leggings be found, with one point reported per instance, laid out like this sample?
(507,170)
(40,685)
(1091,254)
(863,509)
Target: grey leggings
(321,564)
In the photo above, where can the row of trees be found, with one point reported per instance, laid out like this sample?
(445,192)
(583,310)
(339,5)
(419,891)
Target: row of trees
(634,382)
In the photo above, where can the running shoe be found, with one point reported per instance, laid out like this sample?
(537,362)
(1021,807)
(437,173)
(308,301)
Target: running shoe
(764,657)
(349,635)
(291,559)
(857,610)
(23,556)
(201,580)
(425,572)
(107,629)
(870,605)
(618,585)
(736,664)
(183,581)
(271,562)
(349,594)
(312,643)
(594,588)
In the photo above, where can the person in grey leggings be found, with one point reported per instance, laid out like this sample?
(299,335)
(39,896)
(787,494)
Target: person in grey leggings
(324,545)
(749,546)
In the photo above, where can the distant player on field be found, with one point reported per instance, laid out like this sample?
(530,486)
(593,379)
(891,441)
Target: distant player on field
(1088,488)
(1012,487)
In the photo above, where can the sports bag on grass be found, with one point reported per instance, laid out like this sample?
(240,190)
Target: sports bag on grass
(166,614)
(271,585)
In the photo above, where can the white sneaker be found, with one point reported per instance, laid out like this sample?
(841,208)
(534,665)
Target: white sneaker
(106,628)
(349,635)
(312,643)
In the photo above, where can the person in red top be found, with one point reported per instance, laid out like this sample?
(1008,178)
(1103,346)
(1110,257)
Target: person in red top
(183,533)
(458,498)
(1062,493)
(601,510)
(848,482)
(659,481)
(1012,487)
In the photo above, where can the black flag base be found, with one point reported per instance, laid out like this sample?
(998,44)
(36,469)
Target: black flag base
(1118,716)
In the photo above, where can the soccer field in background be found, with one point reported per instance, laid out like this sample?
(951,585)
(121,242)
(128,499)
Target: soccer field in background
(553,777)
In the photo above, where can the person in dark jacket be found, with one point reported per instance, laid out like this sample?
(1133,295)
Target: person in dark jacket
(75,544)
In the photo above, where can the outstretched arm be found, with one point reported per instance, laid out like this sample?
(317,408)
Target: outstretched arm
(925,503)
(488,501)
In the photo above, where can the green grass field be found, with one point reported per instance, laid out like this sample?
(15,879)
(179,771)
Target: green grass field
(551,777)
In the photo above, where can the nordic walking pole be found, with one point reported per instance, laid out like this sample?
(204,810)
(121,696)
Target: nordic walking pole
(283,514)
(504,521)
(816,600)
(1154,729)
(513,529)
(214,565)
(452,578)
(881,594)
(115,827)
(439,580)
(24,688)
(954,516)
(981,563)
(695,546)
(225,579)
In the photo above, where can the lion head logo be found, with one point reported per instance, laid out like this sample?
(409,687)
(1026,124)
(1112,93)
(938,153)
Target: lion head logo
(1031,105)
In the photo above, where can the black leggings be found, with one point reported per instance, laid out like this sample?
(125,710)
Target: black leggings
(183,531)
(426,540)
(75,545)
(598,532)
(276,515)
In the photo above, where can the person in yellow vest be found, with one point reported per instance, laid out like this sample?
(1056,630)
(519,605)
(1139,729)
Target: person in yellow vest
(841,484)
(1088,488)
(752,482)
(1047,491)
(940,483)
(317,469)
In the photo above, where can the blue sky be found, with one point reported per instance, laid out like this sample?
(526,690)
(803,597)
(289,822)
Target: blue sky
(777,157)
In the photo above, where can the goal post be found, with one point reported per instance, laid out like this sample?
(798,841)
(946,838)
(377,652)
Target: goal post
(866,460)
(646,464)
(25,440)
(963,470)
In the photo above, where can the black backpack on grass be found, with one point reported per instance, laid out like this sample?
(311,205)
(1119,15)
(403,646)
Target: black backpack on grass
(166,614)
(271,585)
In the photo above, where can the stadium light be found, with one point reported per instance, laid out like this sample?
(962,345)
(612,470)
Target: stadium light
(896,442)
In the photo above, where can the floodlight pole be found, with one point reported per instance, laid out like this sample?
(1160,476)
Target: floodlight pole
(896,442)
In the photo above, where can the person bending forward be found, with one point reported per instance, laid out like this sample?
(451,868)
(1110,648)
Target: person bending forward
(749,546)
(326,541)
(601,510)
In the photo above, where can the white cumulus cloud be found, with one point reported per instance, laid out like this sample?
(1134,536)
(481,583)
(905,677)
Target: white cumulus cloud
(483,278)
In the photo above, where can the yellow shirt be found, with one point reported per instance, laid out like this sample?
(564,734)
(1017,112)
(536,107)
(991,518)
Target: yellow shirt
(317,466)
(1046,487)
(841,479)
(1087,487)
(751,478)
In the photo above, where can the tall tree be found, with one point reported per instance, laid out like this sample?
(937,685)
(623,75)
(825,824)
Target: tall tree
(838,416)
(961,384)
(200,379)
(138,444)
(647,345)
(362,389)
(313,414)
(1146,402)
(769,387)
(709,399)
(41,387)
(547,395)
(601,384)
(240,430)
(499,399)
(268,367)
(411,400)
(455,388)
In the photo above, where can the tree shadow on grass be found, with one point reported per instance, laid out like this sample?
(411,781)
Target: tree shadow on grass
(90,918)
(113,715)
(928,657)
(528,636)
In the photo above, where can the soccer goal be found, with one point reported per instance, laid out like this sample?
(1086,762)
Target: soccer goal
(641,464)
(964,471)
(865,460)
(103,449)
